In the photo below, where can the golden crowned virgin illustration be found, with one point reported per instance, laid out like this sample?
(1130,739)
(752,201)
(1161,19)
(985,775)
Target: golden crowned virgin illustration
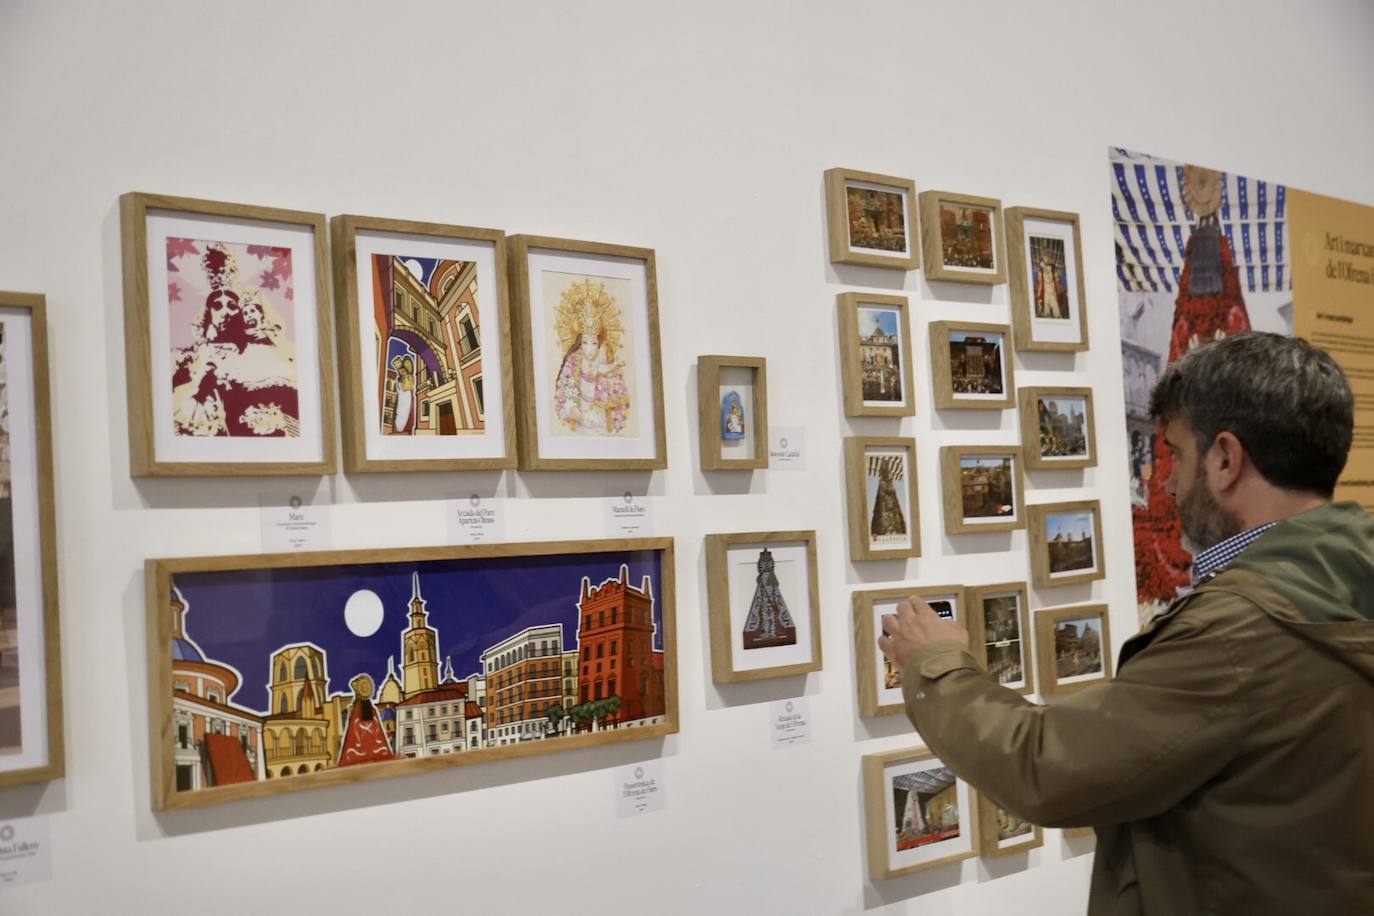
(590,394)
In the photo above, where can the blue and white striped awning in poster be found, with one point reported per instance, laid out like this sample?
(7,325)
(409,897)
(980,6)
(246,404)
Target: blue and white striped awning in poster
(1153,221)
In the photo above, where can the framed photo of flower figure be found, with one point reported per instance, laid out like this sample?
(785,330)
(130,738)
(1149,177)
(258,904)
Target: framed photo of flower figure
(971,365)
(1045,258)
(982,488)
(227,338)
(588,366)
(424,346)
(961,238)
(869,219)
(998,623)
(917,814)
(884,503)
(876,355)
(1074,645)
(1001,833)
(880,682)
(1066,542)
(1058,431)
(732,410)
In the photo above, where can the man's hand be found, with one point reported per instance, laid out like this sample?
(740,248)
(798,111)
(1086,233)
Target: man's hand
(914,625)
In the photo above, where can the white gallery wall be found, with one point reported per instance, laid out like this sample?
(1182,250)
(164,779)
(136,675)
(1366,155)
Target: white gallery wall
(702,131)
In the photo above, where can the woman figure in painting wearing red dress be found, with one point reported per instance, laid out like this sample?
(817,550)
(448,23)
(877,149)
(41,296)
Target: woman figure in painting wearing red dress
(364,738)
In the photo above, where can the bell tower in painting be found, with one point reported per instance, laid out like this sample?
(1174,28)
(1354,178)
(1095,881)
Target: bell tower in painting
(419,647)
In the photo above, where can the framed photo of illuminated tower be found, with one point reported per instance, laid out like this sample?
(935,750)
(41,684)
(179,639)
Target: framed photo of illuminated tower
(884,502)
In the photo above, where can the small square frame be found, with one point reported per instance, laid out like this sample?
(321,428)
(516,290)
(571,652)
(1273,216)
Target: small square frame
(710,435)
(1022,288)
(975,621)
(951,475)
(837,181)
(1031,444)
(877,825)
(1046,622)
(1037,515)
(989,846)
(867,658)
(856,489)
(932,247)
(941,366)
(851,358)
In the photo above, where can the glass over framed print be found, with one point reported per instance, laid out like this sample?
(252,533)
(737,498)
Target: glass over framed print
(971,365)
(917,814)
(880,681)
(1057,428)
(998,623)
(869,219)
(1045,258)
(961,238)
(227,339)
(732,410)
(1066,542)
(1001,833)
(1074,645)
(982,488)
(876,355)
(884,502)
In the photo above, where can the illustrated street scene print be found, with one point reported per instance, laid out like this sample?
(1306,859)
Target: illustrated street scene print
(1069,540)
(769,622)
(925,806)
(10,731)
(1078,648)
(594,351)
(1063,427)
(888,500)
(966,236)
(877,219)
(987,487)
(1050,289)
(975,363)
(1002,638)
(880,355)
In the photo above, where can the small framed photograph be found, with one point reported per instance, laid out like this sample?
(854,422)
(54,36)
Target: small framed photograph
(917,814)
(875,355)
(227,337)
(587,357)
(971,365)
(1001,833)
(1057,428)
(999,631)
(1066,543)
(764,604)
(1075,648)
(1048,305)
(982,488)
(961,238)
(884,505)
(732,410)
(880,682)
(424,346)
(869,219)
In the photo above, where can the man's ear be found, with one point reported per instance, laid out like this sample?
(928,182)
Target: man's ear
(1227,457)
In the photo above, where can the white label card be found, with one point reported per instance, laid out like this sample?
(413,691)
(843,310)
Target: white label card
(640,788)
(293,523)
(627,514)
(476,519)
(787,448)
(25,851)
(789,722)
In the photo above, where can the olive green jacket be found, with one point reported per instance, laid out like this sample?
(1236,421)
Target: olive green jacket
(1229,766)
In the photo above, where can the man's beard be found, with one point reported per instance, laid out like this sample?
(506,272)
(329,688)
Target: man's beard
(1205,524)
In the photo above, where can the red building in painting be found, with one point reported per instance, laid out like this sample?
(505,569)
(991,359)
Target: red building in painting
(615,638)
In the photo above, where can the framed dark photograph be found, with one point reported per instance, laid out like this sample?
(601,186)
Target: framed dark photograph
(971,365)
(961,238)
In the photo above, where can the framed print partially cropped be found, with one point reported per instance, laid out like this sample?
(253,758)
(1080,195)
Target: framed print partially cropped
(884,502)
(764,604)
(1075,648)
(1001,833)
(971,365)
(869,219)
(1057,428)
(228,337)
(917,814)
(1045,261)
(998,623)
(280,672)
(31,745)
(982,488)
(1065,542)
(880,681)
(876,355)
(961,238)
(424,346)
(588,365)
(732,409)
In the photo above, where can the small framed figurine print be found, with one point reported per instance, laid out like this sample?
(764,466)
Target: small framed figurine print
(227,337)
(1045,260)
(961,238)
(424,346)
(1057,428)
(884,503)
(31,745)
(1074,646)
(764,604)
(875,355)
(982,488)
(588,366)
(869,219)
(1066,542)
(998,623)
(971,365)
(917,814)
(732,408)
(1001,833)
(880,682)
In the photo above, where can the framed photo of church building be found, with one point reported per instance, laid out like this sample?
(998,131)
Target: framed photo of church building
(917,814)
(876,355)
(961,238)
(763,600)
(982,488)
(884,502)
(424,346)
(869,219)
(1058,431)
(880,682)
(732,412)
(1066,543)
(971,365)
(1074,645)
(1045,259)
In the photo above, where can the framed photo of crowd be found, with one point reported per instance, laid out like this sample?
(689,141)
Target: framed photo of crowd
(1058,430)
(961,238)
(869,219)
(1045,258)
(876,355)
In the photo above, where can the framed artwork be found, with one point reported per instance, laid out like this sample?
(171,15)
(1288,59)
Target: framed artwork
(1074,833)
(1075,648)
(917,814)
(1002,833)
(227,339)
(588,367)
(880,682)
(764,604)
(424,346)
(1057,428)
(982,488)
(1048,304)
(278,672)
(884,504)
(961,238)
(732,406)
(971,365)
(999,631)
(1066,542)
(31,744)
(869,219)
(875,355)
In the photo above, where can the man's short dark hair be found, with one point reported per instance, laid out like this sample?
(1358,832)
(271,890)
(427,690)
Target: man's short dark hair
(1286,401)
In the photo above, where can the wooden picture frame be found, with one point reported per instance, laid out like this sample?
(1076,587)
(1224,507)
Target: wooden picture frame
(215,625)
(31,723)
(984,479)
(1042,244)
(994,821)
(876,355)
(962,227)
(242,385)
(883,497)
(1072,562)
(880,684)
(1048,623)
(788,643)
(1013,664)
(622,428)
(949,814)
(882,207)
(1062,428)
(425,376)
(720,381)
(972,338)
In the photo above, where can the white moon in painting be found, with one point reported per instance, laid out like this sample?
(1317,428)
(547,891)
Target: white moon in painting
(416,270)
(363,612)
